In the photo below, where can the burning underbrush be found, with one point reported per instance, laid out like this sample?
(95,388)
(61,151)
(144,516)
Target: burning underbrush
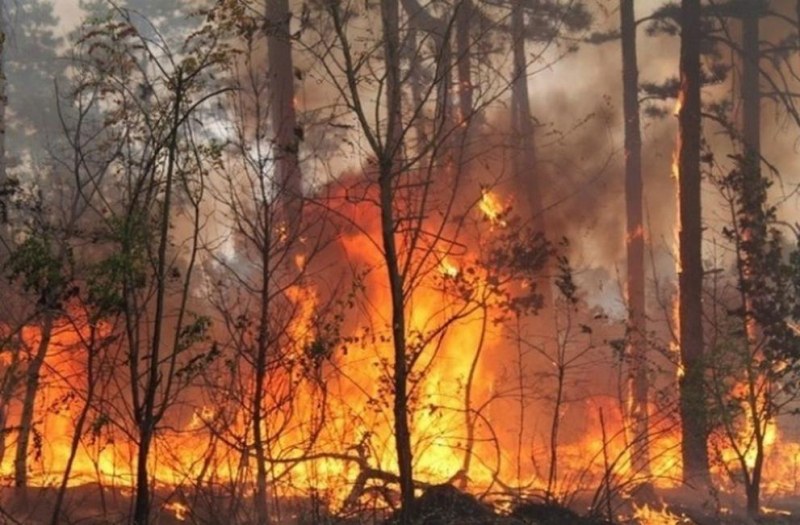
(517,408)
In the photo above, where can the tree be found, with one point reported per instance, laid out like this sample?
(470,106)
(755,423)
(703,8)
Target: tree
(544,22)
(150,97)
(635,238)
(757,350)
(3,103)
(524,164)
(42,261)
(403,186)
(690,279)
(389,155)
(39,261)
(288,134)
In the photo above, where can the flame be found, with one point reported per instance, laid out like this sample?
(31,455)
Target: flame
(648,515)
(180,510)
(678,105)
(448,269)
(491,208)
(358,422)
(638,233)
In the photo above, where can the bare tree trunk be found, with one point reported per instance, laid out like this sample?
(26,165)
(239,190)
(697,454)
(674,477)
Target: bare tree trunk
(465,117)
(751,92)
(751,137)
(526,174)
(464,60)
(753,486)
(390,15)
(282,107)
(444,86)
(29,403)
(552,475)
(260,494)
(637,340)
(5,188)
(524,145)
(690,279)
(753,230)
(3,100)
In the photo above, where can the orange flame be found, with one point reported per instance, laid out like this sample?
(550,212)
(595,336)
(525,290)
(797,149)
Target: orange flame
(491,208)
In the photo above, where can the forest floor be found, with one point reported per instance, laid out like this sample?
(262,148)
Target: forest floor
(438,505)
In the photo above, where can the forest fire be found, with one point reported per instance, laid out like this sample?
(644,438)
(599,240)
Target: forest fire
(355,432)
(284,262)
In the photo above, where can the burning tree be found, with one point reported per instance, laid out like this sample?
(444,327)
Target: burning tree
(693,411)
(418,187)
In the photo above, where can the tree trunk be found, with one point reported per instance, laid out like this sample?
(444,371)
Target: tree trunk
(637,340)
(551,495)
(388,164)
(754,228)
(753,488)
(141,507)
(147,416)
(3,102)
(752,194)
(445,119)
(29,403)
(260,494)
(5,189)
(524,166)
(9,384)
(525,172)
(282,108)
(690,278)
(464,60)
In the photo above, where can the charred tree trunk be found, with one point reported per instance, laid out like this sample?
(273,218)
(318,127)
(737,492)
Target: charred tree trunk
(282,108)
(32,376)
(690,279)
(390,15)
(637,340)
